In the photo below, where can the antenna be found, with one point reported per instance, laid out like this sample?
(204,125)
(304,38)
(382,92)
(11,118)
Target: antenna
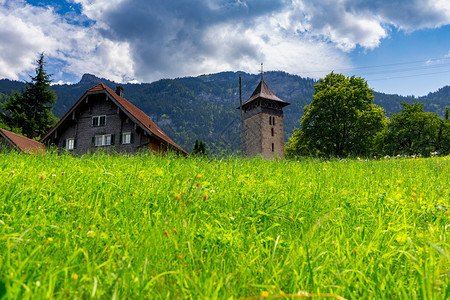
(262,71)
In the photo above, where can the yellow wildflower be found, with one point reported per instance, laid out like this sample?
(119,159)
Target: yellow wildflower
(178,196)
(50,239)
(199,176)
(75,276)
(264,294)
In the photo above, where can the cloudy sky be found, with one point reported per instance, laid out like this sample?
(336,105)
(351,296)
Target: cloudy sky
(399,46)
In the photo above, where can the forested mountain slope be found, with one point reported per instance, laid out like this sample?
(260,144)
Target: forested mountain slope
(204,107)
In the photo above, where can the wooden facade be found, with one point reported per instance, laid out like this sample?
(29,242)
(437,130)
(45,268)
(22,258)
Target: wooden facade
(103,120)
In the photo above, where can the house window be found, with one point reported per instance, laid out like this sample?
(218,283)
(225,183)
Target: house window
(69,144)
(127,138)
(103,140)
(98,121)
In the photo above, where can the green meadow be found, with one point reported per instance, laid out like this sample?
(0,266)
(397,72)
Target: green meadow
(146,227)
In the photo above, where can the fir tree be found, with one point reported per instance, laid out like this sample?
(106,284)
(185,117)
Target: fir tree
(199,148)
(30,112)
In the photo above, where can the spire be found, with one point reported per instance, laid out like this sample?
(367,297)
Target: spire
(264,92)
(262,71)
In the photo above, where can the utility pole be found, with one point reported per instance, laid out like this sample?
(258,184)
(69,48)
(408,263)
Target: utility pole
(242,120)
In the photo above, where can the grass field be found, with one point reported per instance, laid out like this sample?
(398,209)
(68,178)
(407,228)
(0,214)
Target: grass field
(149,227)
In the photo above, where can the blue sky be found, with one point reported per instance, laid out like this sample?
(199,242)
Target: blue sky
(399,46)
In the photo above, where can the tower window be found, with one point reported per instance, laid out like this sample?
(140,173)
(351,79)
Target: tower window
(273,120)
(273,147)
(272,131)
(270,120)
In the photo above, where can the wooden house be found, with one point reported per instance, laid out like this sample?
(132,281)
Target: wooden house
(104,119)
(13,141)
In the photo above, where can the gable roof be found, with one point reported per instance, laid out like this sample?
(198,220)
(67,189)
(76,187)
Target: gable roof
(137,115)
(263,91)
(22,143)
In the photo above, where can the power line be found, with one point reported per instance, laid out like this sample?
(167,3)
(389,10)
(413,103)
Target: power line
(406,76)
(379,66)
(409,69)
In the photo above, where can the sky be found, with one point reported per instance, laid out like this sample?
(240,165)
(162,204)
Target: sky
(399,46)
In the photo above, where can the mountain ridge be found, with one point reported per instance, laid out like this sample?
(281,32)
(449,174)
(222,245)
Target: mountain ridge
(204,107)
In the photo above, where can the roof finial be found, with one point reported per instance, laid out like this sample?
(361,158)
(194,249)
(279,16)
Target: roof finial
(262,71)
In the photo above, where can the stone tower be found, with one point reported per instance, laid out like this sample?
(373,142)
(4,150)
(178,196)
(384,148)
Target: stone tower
(263,123)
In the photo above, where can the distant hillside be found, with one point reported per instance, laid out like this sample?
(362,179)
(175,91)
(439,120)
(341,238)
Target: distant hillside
(204,107)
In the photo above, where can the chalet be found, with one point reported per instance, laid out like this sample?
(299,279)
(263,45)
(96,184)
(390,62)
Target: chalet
(104,119)
(13,141)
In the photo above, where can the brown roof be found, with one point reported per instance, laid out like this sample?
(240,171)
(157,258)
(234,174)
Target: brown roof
(23,143)
(263,91)
(135,112)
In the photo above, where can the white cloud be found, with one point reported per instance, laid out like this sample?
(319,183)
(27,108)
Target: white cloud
(349,23)
(102,57)
(21,41)
(96,9)
(146,40)
(27,30)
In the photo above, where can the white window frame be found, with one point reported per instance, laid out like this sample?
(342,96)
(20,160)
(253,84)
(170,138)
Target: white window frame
(96,121)
(70,144)
(126,138)
(103,140)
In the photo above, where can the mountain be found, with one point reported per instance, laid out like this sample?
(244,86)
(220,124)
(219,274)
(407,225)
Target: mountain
(204,107)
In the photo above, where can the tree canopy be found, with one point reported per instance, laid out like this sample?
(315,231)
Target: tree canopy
(30,112)
(413,131)
(341,120)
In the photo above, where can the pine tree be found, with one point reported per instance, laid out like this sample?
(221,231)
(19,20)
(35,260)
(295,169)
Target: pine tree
(199,148)
(195,150)
(30,112)
(202,148)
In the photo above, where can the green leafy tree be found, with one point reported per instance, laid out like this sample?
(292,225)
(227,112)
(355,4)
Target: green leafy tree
(341,120)
(30,112)
(413,131)
(444,133)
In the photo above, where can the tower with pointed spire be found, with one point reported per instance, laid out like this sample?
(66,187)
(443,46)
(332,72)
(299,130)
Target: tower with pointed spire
(263,123)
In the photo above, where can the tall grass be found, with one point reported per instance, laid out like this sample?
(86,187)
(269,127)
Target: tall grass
(106,226)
